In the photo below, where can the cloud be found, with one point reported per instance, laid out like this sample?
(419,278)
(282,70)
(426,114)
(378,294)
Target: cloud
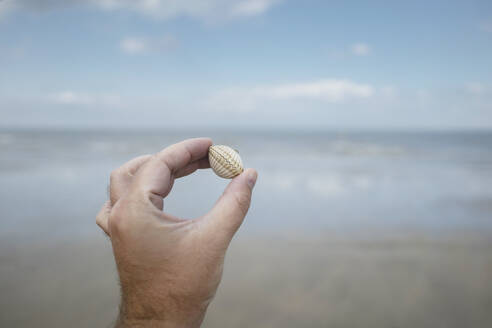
(140,45)
(71,98)
(330,90)
(162,9)
(5,7)
(134,46)
(40,5)
(206,10)
(360,49)
(325,91)
(358,106)
(252,7)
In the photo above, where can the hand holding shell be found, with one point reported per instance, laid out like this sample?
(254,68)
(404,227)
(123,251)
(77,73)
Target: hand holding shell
(225,161)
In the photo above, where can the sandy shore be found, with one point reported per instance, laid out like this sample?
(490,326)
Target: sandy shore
(311,281)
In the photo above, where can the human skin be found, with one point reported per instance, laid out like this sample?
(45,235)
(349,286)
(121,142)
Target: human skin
(169,267)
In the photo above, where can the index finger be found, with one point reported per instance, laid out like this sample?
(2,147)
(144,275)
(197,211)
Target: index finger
(157,175)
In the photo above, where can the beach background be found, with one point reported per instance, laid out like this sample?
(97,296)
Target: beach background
(369,123)
(346,229)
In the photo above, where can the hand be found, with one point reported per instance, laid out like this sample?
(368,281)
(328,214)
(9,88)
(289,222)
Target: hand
(169,268)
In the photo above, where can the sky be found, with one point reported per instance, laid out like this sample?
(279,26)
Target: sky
(246,64)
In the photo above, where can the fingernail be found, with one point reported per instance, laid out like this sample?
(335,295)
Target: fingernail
(252,179)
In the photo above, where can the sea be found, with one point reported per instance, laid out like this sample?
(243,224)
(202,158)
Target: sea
(346,228)
(53,181)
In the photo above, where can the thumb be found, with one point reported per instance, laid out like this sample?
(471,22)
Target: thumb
(231,208)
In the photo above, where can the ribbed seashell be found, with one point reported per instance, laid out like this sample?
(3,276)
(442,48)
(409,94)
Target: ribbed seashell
(225,161)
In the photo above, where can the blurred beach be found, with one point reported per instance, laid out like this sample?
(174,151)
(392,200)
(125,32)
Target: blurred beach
(346,229)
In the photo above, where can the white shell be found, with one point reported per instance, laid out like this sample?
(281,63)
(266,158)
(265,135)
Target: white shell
(225,161)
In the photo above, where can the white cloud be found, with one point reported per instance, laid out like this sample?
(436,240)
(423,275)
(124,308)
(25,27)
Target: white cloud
(134,46)
(360,49)
(5,7)
(139,45)
(382,107)
(162,9)
(70,98)
(328,90)
(80,99)
(201,9)
(252,7)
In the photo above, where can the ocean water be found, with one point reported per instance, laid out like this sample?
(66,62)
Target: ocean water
(53,182)
(345,229)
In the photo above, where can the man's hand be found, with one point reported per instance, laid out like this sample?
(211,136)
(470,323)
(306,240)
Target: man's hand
(169,267)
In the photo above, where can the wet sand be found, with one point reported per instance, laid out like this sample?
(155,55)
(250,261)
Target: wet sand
(323,280)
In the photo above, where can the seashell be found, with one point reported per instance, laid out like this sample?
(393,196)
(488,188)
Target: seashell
(225,161)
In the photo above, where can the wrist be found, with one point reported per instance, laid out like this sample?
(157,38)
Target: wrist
(136,316)
(126,322)
(153,323)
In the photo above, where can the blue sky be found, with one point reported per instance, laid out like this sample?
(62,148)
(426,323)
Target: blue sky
(246,63)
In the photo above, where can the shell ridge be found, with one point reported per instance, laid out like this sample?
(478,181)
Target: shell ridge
(229,161)
(225,161)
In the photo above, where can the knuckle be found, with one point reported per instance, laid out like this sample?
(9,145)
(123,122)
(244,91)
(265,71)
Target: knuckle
(103,215)
(103,227)
(117,218)
(99,220)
